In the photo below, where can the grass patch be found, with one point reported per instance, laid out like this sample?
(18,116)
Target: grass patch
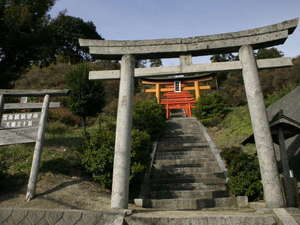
(235,127)
(60,155)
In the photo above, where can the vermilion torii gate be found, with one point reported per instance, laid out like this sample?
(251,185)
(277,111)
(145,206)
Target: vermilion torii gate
(243,42)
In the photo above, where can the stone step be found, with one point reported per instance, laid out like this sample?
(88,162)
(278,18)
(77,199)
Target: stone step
(199,194)
(166,143)
(297,218)
(171,180)
(170,156)
(160,174)
(187,170)
(188,186)
(176,131)
(203,150)
(186,174)
(189,204)
(203,167)
(295,213)
(186,150)
(181,132)
(167,146)
(185,163)
(183,126)
(197,218)
(183,135)
(179,123)
(182,139)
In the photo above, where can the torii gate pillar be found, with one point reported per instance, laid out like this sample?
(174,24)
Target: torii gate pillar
(121,170)
(262,134)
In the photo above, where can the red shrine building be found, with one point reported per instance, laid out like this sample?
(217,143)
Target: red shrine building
(178,92)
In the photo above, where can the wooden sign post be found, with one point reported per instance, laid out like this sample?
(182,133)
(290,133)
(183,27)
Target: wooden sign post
(21,128)
(37,150)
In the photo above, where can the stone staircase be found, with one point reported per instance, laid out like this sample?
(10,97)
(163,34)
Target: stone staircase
(186,174)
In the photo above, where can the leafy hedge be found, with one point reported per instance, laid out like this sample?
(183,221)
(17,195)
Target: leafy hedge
(3,169)
(98,149)
(243,172)
(98,153)
(211,108)
(150,117)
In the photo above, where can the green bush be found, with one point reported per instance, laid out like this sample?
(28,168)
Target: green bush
(3,170)
(98,154)
(149,116)
(211,109)
(86,97)
(65,116)
(57,128)
(243,173)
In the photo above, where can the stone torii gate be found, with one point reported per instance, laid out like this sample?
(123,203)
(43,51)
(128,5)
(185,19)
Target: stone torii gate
(243,42)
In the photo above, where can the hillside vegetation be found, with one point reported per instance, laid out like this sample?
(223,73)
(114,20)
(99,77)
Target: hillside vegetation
(226,114)
(43,52)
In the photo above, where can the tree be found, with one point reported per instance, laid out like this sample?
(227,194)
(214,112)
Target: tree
(24,37)
(222,76)
(67,30)
(86,97)
(268,53)
(231,83)
(28,36)
(223,57)
(155,62)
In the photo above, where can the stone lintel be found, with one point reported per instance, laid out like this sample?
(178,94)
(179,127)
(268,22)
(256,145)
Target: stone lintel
(196,46)
(191,69)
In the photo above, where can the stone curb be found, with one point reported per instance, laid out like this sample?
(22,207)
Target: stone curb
(19,216)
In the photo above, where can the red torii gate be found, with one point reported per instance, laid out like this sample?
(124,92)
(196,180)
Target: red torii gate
(176,91)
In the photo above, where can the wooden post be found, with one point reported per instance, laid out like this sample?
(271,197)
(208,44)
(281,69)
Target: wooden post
(184,61)
(283,154)
(157,92)
(37,150)
(197,91)
(24,100)
(290,193)
(1,107)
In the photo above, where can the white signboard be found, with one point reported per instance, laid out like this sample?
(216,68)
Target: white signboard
(18,120)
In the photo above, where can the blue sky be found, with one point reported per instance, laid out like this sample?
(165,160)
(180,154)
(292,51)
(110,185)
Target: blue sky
(150,19)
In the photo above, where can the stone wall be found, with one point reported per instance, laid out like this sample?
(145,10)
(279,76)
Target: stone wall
(14,216)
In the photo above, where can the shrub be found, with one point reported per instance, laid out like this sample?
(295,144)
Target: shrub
(149,116)
(210,109)
(3,170)
(57,128)
(98,154)
(65,116)
(86,97)
(243,172)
